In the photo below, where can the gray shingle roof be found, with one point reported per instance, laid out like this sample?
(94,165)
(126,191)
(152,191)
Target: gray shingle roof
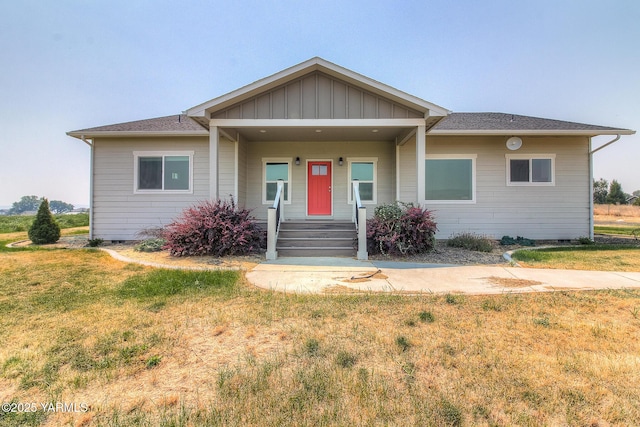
(502,122)
(455,123)
(177,123)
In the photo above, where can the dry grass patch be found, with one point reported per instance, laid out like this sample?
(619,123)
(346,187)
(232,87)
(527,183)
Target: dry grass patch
(617,211)
(234,355)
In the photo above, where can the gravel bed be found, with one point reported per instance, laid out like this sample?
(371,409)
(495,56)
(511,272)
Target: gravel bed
(443,254)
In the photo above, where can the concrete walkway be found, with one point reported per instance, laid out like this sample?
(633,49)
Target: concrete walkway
(320,275)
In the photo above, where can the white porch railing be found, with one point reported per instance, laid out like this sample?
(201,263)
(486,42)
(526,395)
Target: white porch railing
(360,219)
(275,215)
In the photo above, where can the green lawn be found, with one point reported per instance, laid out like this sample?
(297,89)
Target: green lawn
(588,257)
(624,231)
(15,223)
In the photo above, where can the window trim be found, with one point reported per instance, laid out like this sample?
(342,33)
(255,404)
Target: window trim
(531,157)
(163,154)
(374,160)
(265,161)
(473,158)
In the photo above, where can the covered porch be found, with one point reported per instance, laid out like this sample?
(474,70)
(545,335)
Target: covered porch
(317,165)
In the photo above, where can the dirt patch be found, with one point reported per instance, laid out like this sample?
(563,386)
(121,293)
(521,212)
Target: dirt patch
(363,277)
(231,262)
(508,282)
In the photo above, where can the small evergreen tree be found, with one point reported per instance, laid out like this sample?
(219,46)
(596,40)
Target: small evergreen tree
(44,229)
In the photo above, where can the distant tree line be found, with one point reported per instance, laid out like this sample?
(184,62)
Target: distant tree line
(612,194)
(32,203)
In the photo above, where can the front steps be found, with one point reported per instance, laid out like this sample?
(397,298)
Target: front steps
(316,239)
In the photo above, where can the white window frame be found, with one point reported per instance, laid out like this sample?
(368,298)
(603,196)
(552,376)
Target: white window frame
(531,157)
(163,154)
(373,160)
(288,161)
(473,158)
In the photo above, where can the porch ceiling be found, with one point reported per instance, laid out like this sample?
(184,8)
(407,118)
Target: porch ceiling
(319,133)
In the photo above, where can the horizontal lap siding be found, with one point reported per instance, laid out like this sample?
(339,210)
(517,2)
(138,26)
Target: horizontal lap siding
(384,151)
(118,213)
(407,171)
(227,168)
(242,173)
(543,212)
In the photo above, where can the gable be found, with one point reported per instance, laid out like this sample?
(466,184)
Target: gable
(317,96)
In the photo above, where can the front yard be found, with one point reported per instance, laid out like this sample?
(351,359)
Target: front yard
(145,346)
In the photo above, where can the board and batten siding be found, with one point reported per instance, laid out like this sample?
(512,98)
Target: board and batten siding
(118,213)
(538,212)
(332,150)
(317,96)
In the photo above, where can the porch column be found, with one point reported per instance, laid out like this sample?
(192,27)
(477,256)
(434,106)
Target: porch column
(420,155)
(214,140)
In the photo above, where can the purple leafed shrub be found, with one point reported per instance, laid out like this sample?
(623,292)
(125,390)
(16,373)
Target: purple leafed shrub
(400,229)
(214,228)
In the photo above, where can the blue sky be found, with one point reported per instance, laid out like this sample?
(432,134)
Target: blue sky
(73,64)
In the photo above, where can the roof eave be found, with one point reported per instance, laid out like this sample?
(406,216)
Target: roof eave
(530,132)
(122,134)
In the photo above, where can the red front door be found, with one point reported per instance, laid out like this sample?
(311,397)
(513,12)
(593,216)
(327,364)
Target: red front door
(319,188)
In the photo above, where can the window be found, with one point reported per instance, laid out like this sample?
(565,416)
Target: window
(274,170)
(450,179)
(162,171)
(530,170)
(363,170)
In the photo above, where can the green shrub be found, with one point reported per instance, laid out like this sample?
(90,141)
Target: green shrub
(400,229)
(471,241)
(44,229)
(214,228)
(150,245)
(522,241)
(585,241)
(94,243)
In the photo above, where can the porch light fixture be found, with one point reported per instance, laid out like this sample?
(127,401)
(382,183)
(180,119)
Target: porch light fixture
(297,161)
(318,130)
(340,161)
(374,130)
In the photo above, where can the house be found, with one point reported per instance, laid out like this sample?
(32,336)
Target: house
(316,128)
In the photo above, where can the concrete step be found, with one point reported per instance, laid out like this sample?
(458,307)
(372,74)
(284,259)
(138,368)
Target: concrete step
(305,242)
(316,238)
(317,225)
(316,252)
(315,234)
